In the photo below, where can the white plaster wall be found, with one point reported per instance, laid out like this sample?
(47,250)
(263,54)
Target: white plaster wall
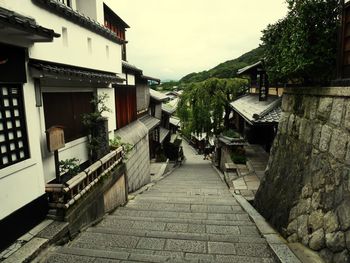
(23,182)
(76,52)
(131,79)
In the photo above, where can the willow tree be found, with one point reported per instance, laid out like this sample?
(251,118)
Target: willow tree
(205,106)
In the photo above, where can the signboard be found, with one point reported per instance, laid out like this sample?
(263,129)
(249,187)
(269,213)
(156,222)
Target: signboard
(55,138)
(263,85)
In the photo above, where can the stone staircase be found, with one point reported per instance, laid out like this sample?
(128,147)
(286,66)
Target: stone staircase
(190,216)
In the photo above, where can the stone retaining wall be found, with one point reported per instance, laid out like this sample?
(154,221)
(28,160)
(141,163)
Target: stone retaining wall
(306,189)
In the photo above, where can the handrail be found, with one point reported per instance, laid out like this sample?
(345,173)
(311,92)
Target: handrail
(65,195)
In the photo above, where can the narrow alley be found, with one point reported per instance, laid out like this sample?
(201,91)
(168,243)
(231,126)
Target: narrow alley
(190,216)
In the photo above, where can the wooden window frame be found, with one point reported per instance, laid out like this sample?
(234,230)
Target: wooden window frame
(14,146)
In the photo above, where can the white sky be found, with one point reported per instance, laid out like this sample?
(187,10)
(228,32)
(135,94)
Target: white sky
(169,39)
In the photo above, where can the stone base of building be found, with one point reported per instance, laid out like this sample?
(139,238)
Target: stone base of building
(22,220)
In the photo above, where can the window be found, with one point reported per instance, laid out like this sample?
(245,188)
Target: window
(13,134)
(66,2)
(66,109)
(125,100)
(107,51)
(65,36)
(114,23)
(89,44)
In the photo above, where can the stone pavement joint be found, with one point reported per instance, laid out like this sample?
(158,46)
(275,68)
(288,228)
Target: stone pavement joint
(188,216)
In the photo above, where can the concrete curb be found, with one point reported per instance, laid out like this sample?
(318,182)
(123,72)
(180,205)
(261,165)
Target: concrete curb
(275,241)
(35,241)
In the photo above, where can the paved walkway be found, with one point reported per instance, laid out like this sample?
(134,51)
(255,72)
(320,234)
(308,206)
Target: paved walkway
(190,216)
(250,175)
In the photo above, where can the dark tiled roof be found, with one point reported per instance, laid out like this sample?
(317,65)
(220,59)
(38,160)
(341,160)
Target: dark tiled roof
(171,106)
(150,122)
(255,111)
(163,133)
(78,18)
(130,67)
(150,78)
(54,70)
(272,116)
(156,95)
(12,19)
(246,69)
(174,121)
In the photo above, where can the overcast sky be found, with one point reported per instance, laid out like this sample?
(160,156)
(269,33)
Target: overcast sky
(169,39)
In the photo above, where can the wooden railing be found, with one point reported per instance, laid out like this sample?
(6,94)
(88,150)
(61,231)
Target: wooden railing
(65,195)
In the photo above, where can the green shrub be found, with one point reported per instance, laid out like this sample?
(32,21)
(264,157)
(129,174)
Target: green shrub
(231,134)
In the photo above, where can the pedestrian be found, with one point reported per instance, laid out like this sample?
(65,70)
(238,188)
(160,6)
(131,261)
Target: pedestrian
(206,151)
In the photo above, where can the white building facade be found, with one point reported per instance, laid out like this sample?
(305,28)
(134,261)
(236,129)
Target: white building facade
(50,69)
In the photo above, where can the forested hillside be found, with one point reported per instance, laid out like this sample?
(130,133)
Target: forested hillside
(226,69)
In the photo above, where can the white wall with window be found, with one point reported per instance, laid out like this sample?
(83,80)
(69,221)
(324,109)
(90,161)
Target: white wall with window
(27,172)
(72,47)
(23,181)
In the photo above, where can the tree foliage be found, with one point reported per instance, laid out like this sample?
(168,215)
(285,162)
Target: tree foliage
(301,48)
(204,106)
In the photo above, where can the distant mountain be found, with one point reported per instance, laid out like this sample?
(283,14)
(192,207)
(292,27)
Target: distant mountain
(226,69)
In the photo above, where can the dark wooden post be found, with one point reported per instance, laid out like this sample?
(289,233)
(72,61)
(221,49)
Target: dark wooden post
(55,141)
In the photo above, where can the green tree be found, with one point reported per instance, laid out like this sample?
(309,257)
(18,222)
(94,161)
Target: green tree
(205,106)
(301,48)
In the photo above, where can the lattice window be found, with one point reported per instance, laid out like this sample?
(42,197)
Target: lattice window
(13,134)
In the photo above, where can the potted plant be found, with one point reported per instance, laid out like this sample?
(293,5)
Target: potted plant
(97,126)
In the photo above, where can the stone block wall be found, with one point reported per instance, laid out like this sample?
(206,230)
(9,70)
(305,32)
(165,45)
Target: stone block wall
(305,192)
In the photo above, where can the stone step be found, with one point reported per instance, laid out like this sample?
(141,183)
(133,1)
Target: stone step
(184,200)
(242,220)
(143,245)
(232,234)
(189,194)
(183,215)
(115,254)
(184,209)
(139,200)
(75,254)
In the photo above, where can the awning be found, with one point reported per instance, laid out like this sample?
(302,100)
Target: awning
(163,133)
(171,106)
(132,133)
(150,122)
(174,121)
(158,96)
(258,112)
(14,26)
(231,141)
(49,70)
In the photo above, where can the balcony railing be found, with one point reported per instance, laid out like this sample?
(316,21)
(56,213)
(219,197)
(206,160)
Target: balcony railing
(65,195)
